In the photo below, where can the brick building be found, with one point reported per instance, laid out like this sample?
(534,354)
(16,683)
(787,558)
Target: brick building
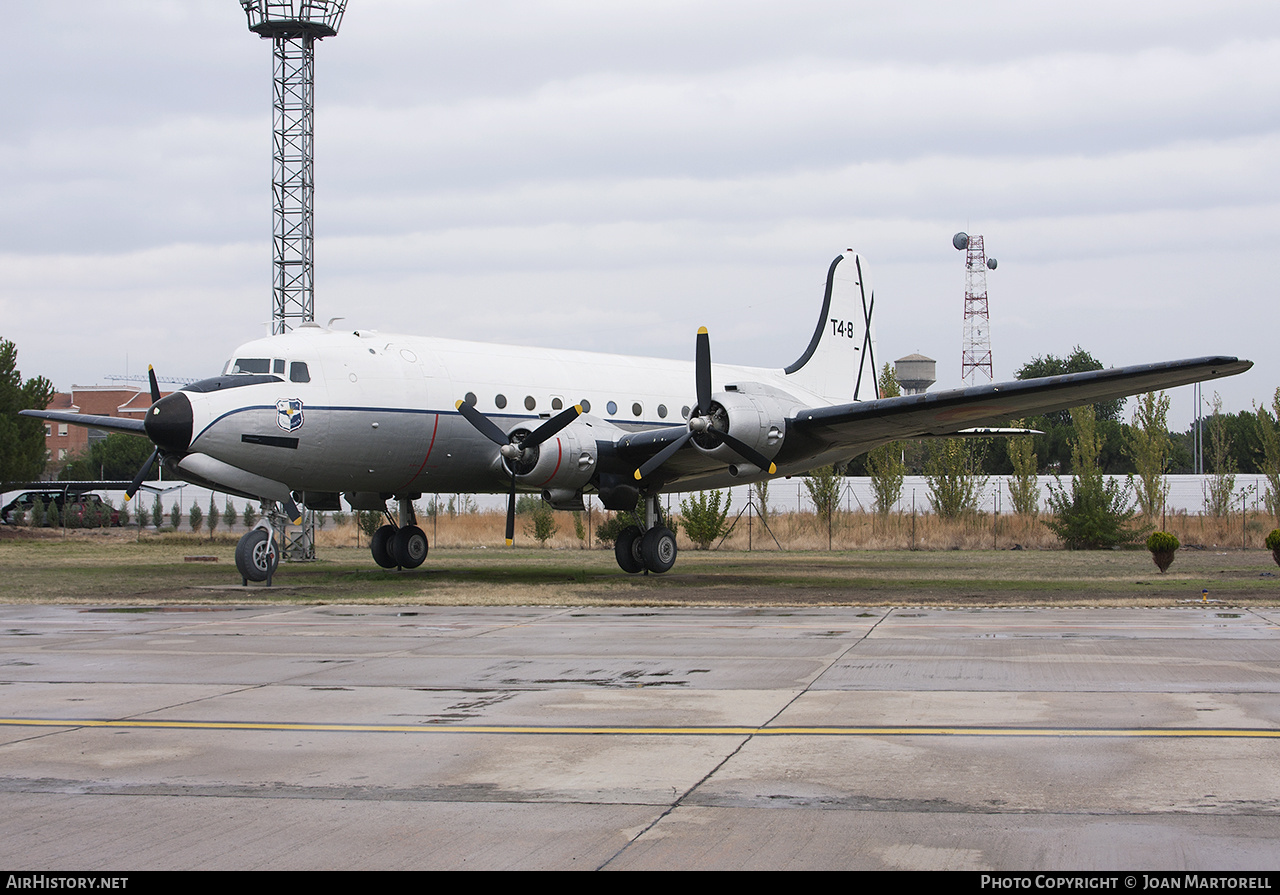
(65,442)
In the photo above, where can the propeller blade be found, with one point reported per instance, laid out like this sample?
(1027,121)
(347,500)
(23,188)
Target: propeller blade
(155,386)
(142,474)
(483,424)
(551,427)
(295,514)
(702,371)
(748,453)
(511,512)
(648,467)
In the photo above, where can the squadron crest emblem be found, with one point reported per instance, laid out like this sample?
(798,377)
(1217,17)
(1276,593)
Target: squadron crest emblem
(289,414)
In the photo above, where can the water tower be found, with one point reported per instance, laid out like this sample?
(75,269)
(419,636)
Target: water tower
(293,26)
(915,373)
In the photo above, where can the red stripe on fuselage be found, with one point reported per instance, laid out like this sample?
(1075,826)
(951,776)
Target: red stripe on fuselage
(434,429)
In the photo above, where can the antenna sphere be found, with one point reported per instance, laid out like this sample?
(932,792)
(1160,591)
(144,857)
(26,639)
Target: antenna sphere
(960,240)
(991,264)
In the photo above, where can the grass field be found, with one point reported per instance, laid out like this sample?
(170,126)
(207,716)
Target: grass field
(115,568)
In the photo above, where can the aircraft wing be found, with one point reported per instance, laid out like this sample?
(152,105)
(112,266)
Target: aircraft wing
(109,423)
(861,425)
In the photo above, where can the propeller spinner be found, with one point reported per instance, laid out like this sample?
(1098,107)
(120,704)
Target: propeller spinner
(516,450)
(708,423)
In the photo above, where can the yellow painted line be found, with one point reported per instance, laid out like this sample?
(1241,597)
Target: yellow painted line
(1131,732)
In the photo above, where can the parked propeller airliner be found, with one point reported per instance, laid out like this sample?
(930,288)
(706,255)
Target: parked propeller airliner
(315,413)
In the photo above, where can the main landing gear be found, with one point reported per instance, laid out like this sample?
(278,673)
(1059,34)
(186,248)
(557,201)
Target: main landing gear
(402,546)
(651,549)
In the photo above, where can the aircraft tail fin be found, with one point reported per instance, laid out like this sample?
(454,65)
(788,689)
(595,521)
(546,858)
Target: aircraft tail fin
(840,362)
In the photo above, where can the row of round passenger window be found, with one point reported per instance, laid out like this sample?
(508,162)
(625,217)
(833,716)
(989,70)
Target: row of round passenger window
(531,403)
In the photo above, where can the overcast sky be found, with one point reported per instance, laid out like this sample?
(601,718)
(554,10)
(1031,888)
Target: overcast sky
(611,176)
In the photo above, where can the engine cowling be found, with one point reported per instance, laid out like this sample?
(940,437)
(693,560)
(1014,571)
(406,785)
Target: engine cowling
(565,462)
(758,420)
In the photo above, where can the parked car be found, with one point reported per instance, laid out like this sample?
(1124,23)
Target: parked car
(80,505)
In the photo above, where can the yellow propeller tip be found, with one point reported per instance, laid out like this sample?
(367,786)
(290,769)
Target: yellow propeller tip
(637,475)
(457,405)
(773,470)
(578,407)
(702,330)
(510,542)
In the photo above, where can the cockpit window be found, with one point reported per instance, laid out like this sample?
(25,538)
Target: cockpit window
(277,366)
(252,365)
(298,372)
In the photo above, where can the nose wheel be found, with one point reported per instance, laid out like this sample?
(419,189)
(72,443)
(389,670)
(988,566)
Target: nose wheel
(257,556)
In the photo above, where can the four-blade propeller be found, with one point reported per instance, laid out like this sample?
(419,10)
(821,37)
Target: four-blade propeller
(155,454)
(707,423)
(703,421)
(519,450)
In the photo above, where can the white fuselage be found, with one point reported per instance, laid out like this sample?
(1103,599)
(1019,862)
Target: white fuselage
(377,411)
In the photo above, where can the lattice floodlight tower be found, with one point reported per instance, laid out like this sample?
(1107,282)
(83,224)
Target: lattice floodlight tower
(293,26)
(975,356)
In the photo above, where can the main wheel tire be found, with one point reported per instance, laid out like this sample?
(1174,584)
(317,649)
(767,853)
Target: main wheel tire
(658,549)
(627,550)
(380,547)
(256,556)
(409,547)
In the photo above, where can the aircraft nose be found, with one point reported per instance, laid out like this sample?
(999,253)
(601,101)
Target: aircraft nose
(169,423)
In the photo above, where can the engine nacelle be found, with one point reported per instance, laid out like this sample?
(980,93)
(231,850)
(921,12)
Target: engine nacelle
(758,420)
(565,462)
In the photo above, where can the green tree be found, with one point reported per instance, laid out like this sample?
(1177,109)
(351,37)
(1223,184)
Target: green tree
(1096,511)
(157,514)
(1024,486)
(702,517)
(541,523)
(823,485)
(22,450)
(1148,447)
(955,486)
(885,464)
(197,517)
(175,516)
(1268,425)
(1222,465)
(250,515)
(117,457)
(215,516)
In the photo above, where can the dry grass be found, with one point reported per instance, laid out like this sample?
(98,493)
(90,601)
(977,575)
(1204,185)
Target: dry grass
(848,531)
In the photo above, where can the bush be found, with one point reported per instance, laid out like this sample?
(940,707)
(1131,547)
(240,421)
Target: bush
(607,531)
(703,519)
(541,523)
(1273,544)
(1163,546)
(1095,512)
